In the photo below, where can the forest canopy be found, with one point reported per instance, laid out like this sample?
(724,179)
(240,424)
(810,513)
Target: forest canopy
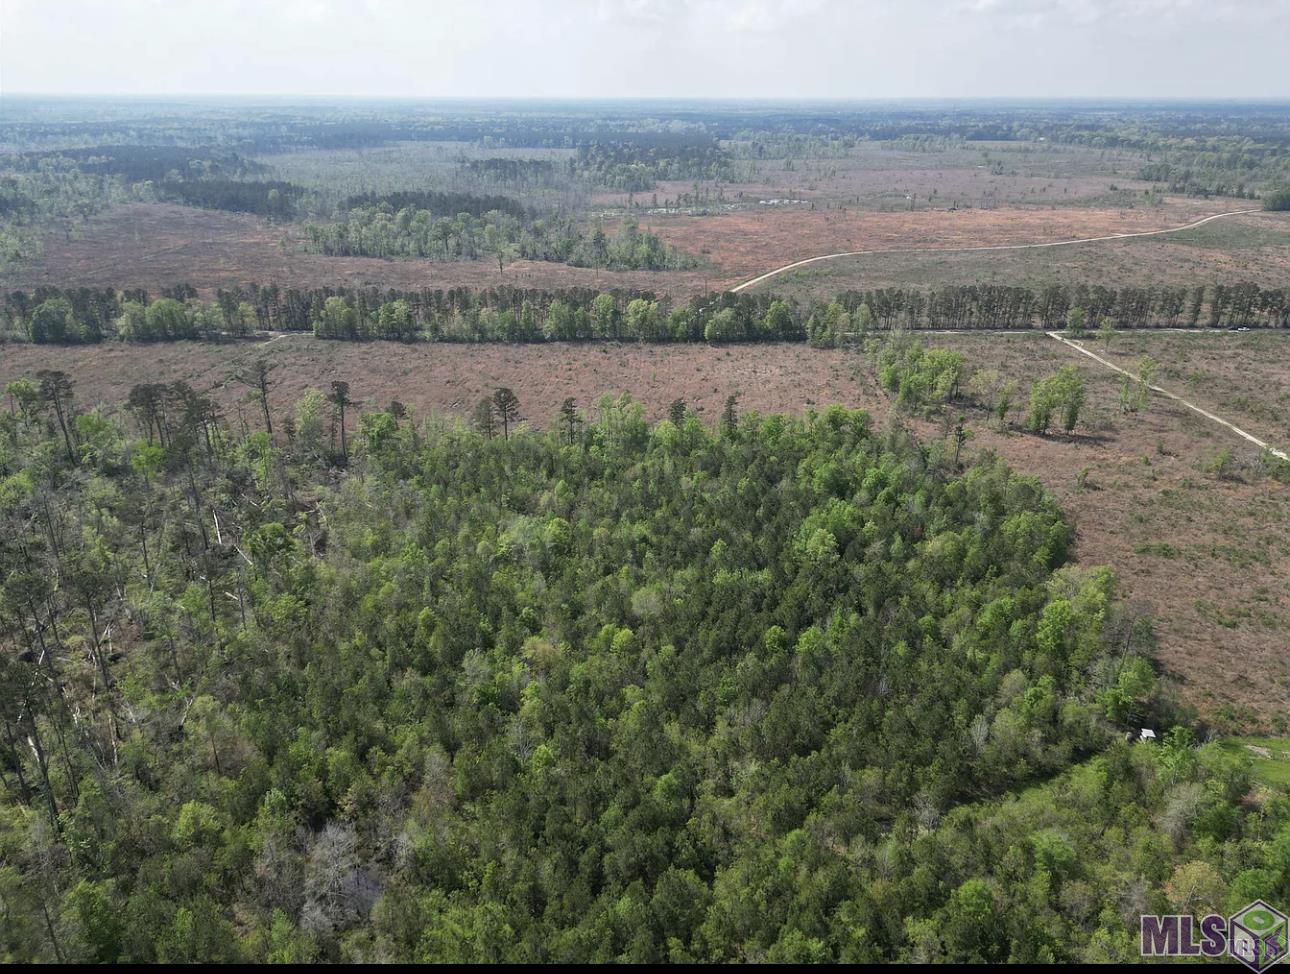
(377,230)
(361,687)
(294,674)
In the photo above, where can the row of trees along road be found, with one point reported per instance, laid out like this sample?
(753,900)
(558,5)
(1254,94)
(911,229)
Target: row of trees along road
(512,314)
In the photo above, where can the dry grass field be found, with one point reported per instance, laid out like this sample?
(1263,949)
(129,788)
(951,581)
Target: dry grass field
(453,378)
(881,176)
(1205,552)
(748,243)
(1252,247)
(1243,377)
(873,196)
(158,245)
(155,245)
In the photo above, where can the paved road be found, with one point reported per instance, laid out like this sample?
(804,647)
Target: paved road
(967,250)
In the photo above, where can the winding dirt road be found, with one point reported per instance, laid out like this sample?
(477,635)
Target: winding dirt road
(967,250)
(1075,345)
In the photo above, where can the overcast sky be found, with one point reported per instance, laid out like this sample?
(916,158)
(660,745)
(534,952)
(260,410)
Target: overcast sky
(625,48)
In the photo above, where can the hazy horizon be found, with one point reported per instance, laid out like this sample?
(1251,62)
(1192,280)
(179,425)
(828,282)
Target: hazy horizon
(722,50)
(328,98)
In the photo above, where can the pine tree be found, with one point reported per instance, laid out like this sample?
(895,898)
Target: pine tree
(508,409)
(340,400)
(730,415)
(569,417)
(485,419)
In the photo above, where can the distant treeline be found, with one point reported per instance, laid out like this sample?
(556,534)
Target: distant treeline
(565,125)
(635,164)
(1253,137)
(614,159)
(1185,181)
(140,163)
(1278,199)
(514,172)
(272,198)
(378,231)
(209,178)
(512,314)
(439,203)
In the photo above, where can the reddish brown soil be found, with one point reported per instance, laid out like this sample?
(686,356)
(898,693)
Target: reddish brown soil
(453,378)
(157,245)
(748,243)
(1252,247)
(1207,557)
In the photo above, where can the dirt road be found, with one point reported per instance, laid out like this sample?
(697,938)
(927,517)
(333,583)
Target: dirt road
(1079,347)
(966,250)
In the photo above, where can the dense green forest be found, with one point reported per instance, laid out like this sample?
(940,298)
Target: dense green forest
(440,203)
(308,685)
(48,185)
(51,315)
(381,231)
(272,198)
(637,163)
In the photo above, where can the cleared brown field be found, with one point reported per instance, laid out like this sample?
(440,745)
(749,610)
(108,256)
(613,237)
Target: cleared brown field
(1208,557)
(453,378)
(1251,247)
(157,245)
(1244,377)
(751,242)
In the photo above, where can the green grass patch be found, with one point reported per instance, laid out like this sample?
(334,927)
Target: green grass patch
(1269,757)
